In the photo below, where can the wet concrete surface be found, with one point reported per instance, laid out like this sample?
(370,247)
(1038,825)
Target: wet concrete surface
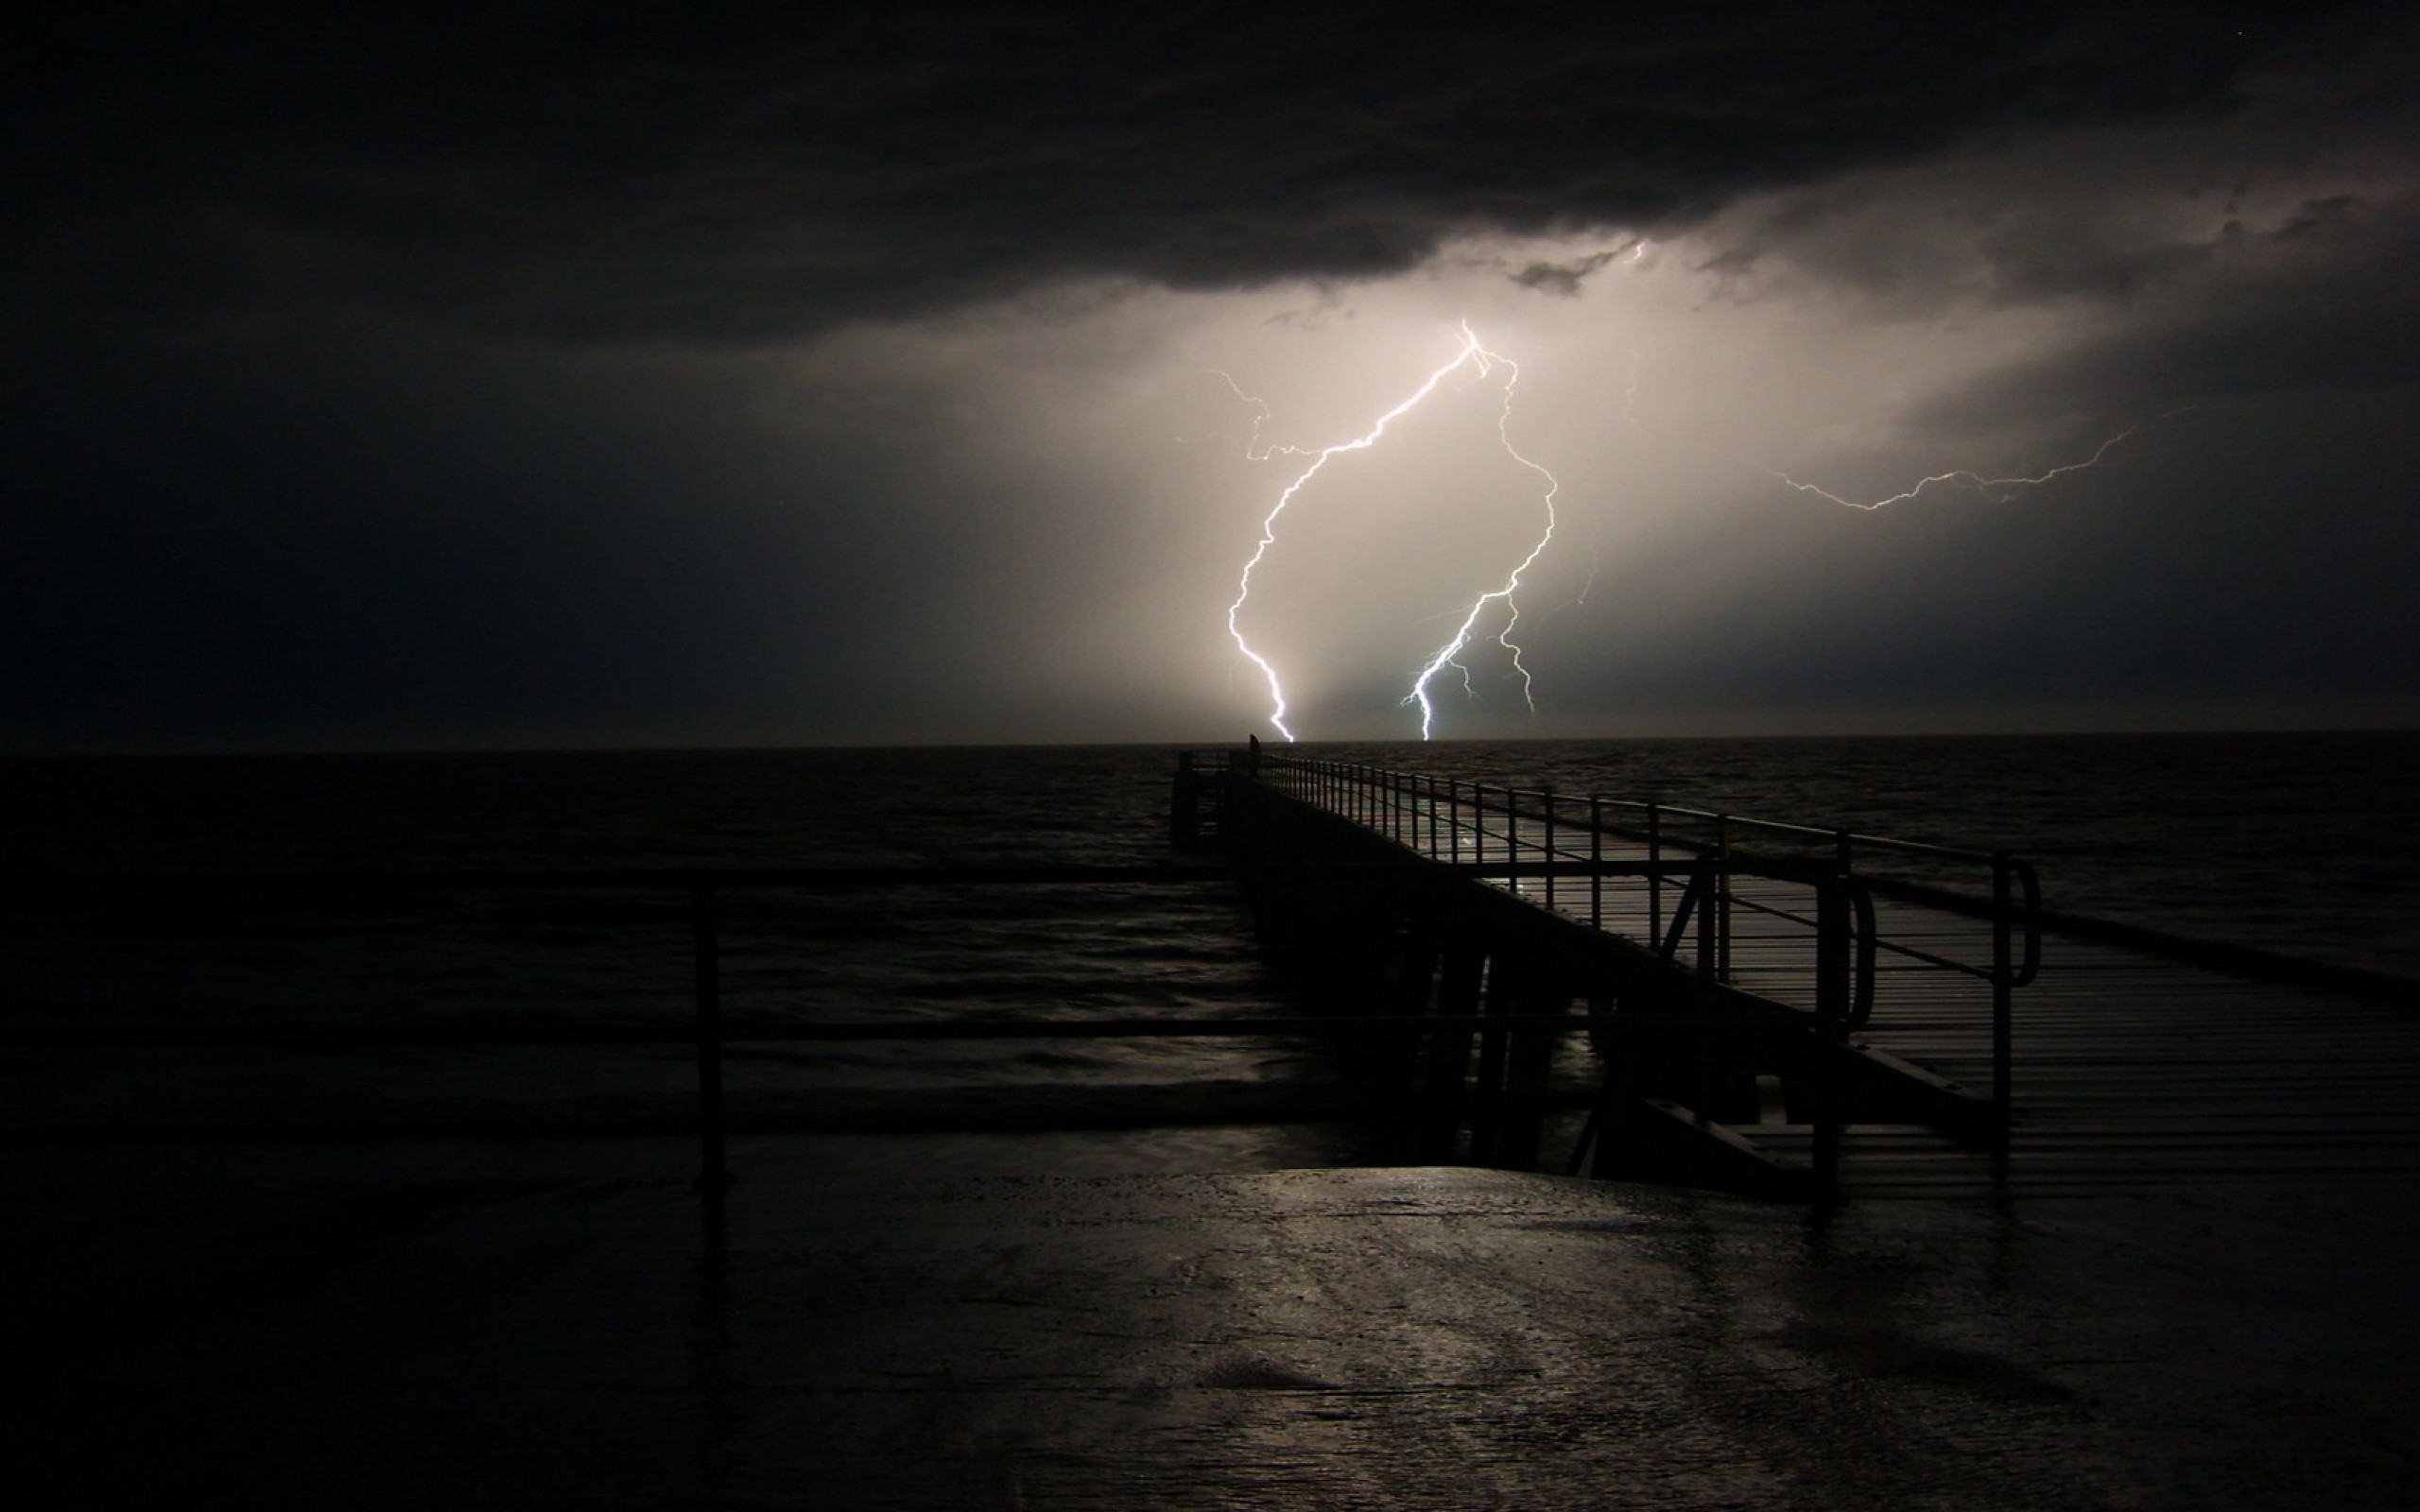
(910,1324)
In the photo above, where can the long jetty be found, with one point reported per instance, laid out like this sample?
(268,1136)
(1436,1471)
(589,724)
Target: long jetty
(1789,1011)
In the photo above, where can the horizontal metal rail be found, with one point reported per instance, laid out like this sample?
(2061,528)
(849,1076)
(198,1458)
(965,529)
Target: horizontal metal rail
(1529,840)
(708,1032)
(20,887)
(464,1033)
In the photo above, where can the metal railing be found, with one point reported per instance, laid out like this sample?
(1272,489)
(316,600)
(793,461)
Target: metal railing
(1612,862)
(706,1029)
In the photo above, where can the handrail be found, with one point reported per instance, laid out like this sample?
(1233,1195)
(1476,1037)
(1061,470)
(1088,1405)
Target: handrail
(1499,828)
(1352,788)
(18,887)
(709,1032)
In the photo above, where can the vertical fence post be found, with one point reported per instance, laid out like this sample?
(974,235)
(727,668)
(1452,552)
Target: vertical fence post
(1705,881)
(1595,861)
(1512,838)
(1832,1004)
(1506,797)
(1723,898)
(2003,986)
(714,1179)
(1511,842)
(1550,848)
(1654,874)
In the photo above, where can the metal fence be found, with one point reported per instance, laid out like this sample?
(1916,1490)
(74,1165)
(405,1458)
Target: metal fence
(1623,865)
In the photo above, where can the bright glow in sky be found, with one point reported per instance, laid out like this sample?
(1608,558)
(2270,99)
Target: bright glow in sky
(1468,510)
(606,377)
(1669,392)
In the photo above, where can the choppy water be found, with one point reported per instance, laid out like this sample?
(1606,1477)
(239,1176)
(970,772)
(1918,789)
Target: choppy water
(2301,843)
(2304,843)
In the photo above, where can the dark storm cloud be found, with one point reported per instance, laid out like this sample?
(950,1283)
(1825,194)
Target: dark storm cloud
(2323,303)
(745,175)
(585,372)
(1562,279)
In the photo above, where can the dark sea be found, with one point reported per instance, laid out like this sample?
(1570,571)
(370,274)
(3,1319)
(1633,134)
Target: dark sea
(2299,843)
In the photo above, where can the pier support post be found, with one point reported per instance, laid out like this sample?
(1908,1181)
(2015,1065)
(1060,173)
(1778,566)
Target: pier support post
(1449,1054)
(1488,1099)
(1528,1071)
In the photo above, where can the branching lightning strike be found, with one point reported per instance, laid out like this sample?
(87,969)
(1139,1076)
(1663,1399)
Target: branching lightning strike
(1460,640)
(1475,355)
(1999,490)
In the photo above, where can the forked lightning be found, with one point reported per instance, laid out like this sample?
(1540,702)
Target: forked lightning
(1474,355)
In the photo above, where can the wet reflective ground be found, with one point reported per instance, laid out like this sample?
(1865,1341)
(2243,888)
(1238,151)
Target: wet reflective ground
(909,1322)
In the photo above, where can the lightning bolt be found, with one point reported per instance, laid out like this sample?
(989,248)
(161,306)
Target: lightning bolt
(1999,490)
(1448,653)
(1473,354)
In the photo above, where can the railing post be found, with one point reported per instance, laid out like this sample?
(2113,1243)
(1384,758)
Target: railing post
(1654,876)
(1548,795)
(714,1179)
(1511,842)
(1481,792)
(2003,988)
(1595,861)
(1707,880)
(1832,1006)
(1723,898)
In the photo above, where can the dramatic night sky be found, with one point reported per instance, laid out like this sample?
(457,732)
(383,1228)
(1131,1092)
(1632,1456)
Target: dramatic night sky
(625,375)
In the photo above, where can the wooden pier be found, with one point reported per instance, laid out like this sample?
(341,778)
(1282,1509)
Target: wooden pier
(1804,1013)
